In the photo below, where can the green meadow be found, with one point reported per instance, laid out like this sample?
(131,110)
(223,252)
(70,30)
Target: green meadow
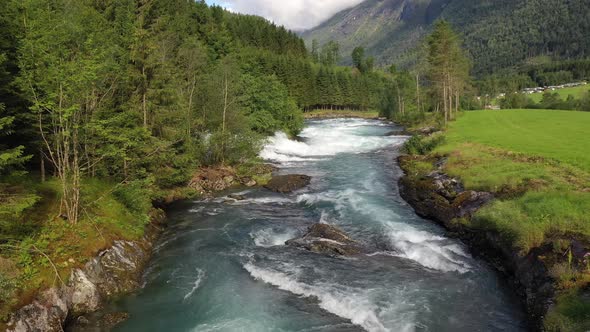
(537,163)
(559,135)
(577,92)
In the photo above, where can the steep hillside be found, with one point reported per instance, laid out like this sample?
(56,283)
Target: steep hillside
(498,34)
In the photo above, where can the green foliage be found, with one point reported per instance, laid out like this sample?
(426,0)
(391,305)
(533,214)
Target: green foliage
(422,145)
(135,196)
(7,287)
(530,219)
(570,313)
(269,107)
(516,101)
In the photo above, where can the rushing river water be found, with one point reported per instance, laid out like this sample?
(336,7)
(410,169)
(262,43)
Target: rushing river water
(223,266)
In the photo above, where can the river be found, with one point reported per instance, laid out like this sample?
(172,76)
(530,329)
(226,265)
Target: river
(223,266)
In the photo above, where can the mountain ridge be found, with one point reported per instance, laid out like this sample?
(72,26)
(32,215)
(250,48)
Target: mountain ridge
(497,34)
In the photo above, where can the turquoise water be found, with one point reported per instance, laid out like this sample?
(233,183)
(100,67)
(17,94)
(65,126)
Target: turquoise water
(223,266)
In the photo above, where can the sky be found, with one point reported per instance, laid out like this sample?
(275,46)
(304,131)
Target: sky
(294,14)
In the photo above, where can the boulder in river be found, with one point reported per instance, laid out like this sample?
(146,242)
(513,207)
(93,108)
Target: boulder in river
(288,183)
(328,240)
(237,197)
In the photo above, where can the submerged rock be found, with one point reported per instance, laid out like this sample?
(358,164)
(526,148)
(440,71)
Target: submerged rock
(250,183)
(237,197)
(327,240)
(97,322)
(288,183)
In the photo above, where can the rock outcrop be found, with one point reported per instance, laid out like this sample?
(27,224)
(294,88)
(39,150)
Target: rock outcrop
(437,196)
(114,271)
(327,240)
(288,183)
(48,312)
(213,179)
(209,180)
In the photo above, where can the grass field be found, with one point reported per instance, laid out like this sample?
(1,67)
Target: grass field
(537,163)
(578,92)
(559,135)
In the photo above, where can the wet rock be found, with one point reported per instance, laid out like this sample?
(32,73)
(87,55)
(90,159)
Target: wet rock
(113,319)
(445,185)
(468,202)
(117,269)
(250,183)
(97,322)
(47,313)
(237,197)
(327,240)
(441,197)
(208,180)
(288,183)
(85,295)
(82,321)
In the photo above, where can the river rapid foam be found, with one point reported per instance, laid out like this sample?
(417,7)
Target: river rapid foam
(223,265)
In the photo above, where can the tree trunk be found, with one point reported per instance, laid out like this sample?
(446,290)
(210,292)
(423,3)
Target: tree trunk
(42,164)
(418,105)
(144,100)
(225,106)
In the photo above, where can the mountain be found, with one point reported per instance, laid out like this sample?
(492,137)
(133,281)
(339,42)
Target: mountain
(497,33)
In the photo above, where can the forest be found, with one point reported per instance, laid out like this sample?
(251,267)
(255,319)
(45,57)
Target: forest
(109,106)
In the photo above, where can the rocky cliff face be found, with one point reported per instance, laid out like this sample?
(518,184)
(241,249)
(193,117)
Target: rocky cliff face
(114,271)
(386,28)
(443,199)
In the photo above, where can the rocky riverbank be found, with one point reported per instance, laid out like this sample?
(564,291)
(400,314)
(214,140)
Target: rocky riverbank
(112,272)
(117,270)
(443,199)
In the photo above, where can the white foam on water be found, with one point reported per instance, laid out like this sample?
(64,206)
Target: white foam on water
(422,246)
(326,139)
(196,284)
(341,199)
(352,304)
(266,200)
(427,249)
(270,238)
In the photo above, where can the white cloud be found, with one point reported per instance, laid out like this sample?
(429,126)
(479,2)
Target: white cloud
(294,14)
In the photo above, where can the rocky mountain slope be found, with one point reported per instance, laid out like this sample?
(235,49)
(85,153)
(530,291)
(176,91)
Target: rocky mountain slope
(497,33)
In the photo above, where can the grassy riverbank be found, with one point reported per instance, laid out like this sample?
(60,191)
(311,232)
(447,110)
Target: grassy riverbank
(537,164)
(41,248)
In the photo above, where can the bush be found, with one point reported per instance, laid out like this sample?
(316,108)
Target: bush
(421,145)
(135,196)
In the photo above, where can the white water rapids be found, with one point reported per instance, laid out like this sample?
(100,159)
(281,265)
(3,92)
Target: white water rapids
(223,265)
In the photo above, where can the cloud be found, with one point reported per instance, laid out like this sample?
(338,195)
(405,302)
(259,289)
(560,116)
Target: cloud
(294,14)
